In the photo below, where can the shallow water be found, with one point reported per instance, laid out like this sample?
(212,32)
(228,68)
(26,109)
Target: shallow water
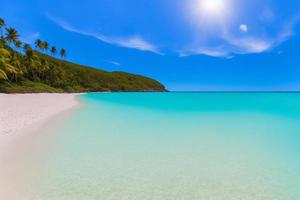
(173,146)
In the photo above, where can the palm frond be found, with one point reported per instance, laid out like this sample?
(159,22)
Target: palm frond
(3,75)
(11,69)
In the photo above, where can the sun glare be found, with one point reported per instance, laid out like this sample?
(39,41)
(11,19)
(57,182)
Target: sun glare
(212,7)
(209,12)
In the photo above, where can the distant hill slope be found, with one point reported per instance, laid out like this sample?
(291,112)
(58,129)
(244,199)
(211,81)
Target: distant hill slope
(27,70)
(37,72)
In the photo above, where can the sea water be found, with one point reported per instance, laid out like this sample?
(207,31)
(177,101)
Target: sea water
(176,146)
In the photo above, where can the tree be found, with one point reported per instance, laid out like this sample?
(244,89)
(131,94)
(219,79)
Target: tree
(16,63)
(18,44)
(45,46)
(12,35)
(44,66)
(39,44)
(30,56)
(3,54)
(32,63)
(2,25)
(63,53)
(7,70)
(3,75)
(26,47)
(53,50)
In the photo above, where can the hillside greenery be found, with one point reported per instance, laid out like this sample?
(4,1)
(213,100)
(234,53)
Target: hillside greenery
(26,69)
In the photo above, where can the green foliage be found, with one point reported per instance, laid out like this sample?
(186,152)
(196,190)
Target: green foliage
(37,72)
(3,75)
(63,53)
(7,70)
(2,22)
(53,51)
(2,25)
(28,87)
(12,35)
(73,78)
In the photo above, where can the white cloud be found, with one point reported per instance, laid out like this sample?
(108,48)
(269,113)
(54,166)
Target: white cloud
(213,52)
(244,28)
(133,42)
(114,63)
(245,44)
(230,41)
(208,51)
(248,45)
(255,44)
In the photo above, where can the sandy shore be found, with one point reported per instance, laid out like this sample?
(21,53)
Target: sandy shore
(22,112)
(23,141)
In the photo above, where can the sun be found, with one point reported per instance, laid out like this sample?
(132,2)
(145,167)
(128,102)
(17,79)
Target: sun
(213,7)
(209,13)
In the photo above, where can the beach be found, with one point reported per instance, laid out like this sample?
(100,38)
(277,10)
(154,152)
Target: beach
(24,122)
(23,113)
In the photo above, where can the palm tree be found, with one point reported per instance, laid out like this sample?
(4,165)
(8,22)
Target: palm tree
(2,25)
(26,47)
(3,75)
(7,70)
(43,67)
(12,35)
(30,56)
(39,44)
(45,46)
(4,55)
(32,63)
(63,53)
(53,50)
(18,44)
(15,62)
(3,61)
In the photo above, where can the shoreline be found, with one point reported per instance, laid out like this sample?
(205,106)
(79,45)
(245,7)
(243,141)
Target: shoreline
(25,120)
(24,114)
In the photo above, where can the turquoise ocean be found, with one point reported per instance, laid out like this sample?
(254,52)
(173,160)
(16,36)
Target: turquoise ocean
(176,146)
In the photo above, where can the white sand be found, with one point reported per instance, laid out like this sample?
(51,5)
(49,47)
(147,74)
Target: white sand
(22,118)
(21,112)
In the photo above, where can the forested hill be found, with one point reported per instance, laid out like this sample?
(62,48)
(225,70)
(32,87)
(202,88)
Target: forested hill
(24,69)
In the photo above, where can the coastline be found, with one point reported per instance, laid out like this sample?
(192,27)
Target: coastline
(24,122)
(23,114)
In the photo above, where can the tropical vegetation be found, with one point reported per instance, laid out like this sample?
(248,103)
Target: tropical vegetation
(30,69)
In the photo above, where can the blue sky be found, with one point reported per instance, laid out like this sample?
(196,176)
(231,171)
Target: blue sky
(187,45)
